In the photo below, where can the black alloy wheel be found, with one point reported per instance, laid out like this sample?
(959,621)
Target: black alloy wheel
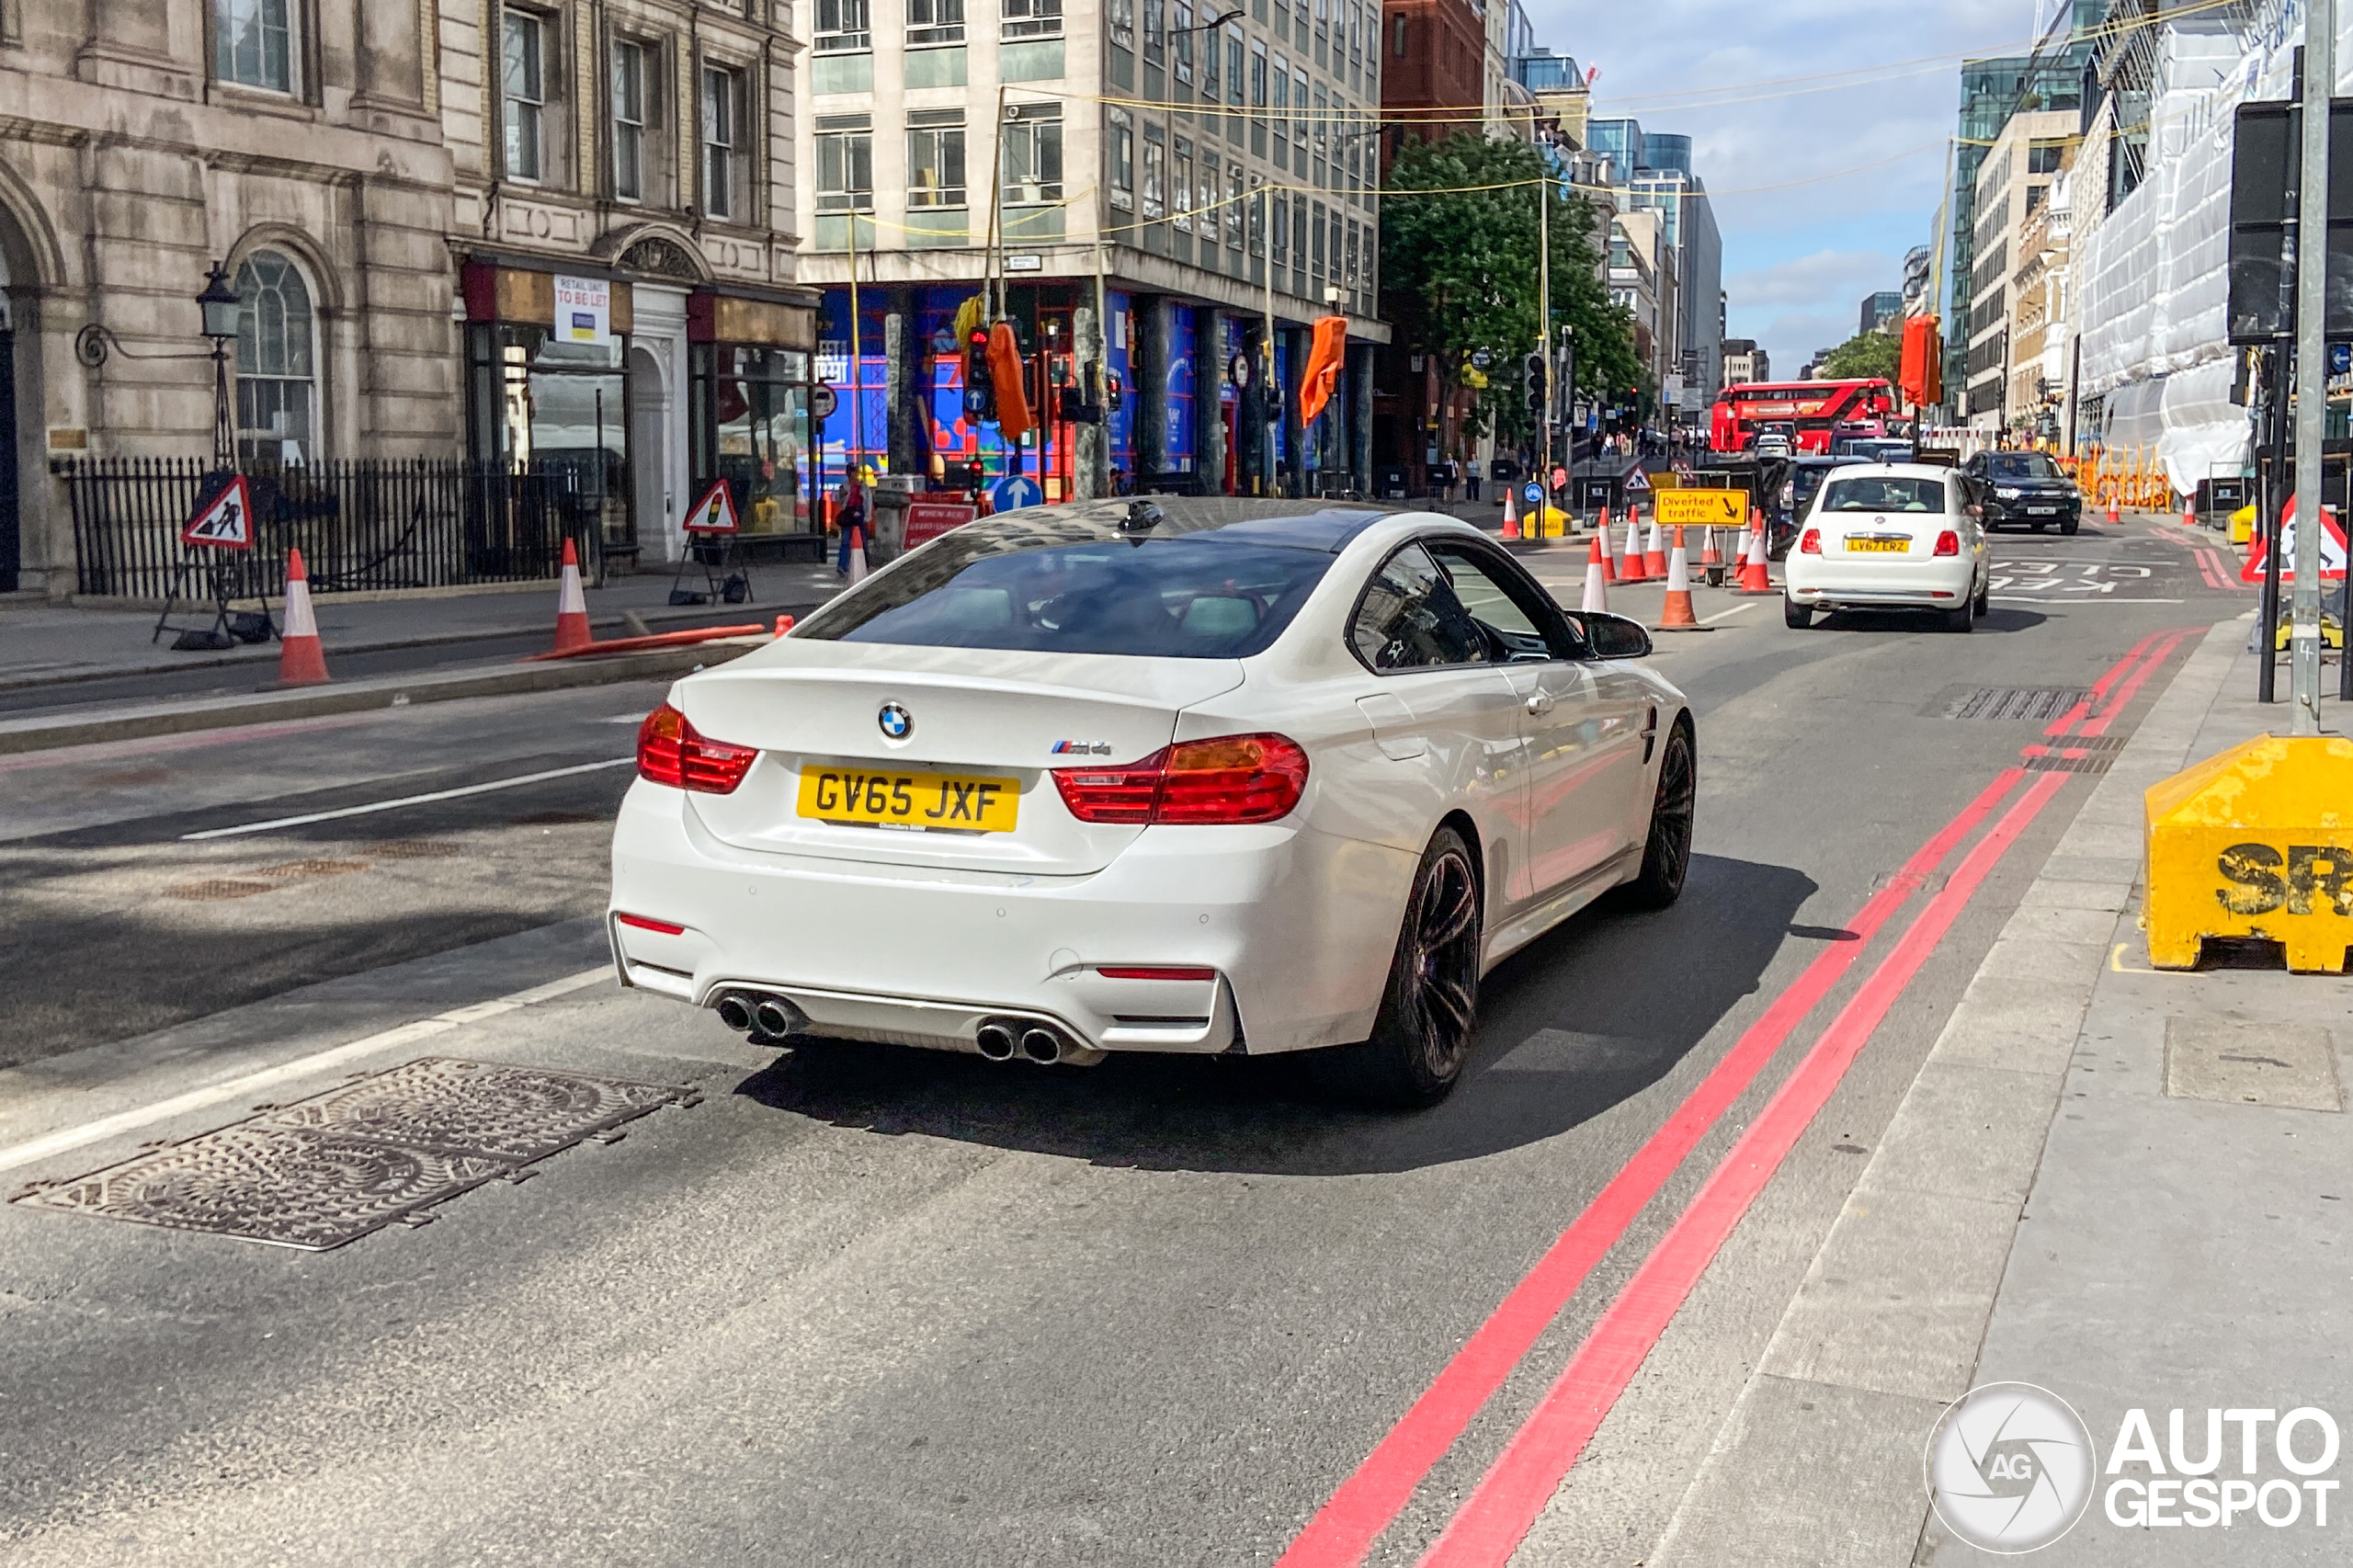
(1983,603)
(1429,1011)
(1666,854)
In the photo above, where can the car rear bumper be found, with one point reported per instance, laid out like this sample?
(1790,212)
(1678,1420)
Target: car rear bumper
(1936,583)
(1297,927)
(2000,513)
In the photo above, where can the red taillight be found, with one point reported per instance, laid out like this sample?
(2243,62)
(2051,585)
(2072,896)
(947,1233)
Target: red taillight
(647,923)
(1811,544)
(670,751)
(1948,543)
(1131,972)
(1234,779)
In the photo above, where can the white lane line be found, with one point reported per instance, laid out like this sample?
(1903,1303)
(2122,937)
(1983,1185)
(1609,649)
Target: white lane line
(2079,600)
(1722,614)
(406,800)
(270,1077)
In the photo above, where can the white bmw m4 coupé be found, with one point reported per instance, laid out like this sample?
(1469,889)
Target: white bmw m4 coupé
(1184,775)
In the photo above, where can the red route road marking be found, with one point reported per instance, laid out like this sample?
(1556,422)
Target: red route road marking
(1490,1526)
(1363,1506)
(1347,1525)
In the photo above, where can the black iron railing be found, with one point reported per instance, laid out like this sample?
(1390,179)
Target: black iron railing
(360,525)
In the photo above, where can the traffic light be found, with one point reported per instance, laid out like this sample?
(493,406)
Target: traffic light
(979,394)
(1535,384)
(1113,390)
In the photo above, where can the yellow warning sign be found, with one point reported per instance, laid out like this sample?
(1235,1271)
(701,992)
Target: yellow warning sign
(2255,842)
(1702,508)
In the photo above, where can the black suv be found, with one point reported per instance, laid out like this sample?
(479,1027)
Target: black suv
(2024,487)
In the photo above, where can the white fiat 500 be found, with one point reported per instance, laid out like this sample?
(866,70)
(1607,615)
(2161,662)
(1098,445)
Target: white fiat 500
(1202,775)
(1891,536)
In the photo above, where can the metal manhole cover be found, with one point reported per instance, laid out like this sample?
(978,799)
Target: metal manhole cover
(335,1168)
(2037,704)
(415,849)
(516,1114)
(294,869)
(307,1190)
(216,889)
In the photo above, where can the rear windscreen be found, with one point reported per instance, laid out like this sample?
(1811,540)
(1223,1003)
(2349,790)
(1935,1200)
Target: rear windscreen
(1184,598)
(1884,493)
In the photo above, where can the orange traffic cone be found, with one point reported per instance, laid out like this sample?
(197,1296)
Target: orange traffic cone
(2188,512)
(1655,553)
(856,554)
(572,607)
(1711,560)
(1604,526)
(1677,616)
(1597,578)
(1630,559)
(2111,507)
(783,624)
(1511,515)
(300,660)
(1757,572)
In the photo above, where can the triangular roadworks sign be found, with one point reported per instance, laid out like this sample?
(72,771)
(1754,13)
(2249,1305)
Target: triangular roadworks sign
(1637,482)
(223,519)
(715,513)
(2332,549)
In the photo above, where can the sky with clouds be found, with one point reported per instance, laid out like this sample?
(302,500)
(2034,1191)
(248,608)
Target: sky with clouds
(1820,127)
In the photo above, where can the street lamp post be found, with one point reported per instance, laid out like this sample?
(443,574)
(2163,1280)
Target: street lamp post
(219,304)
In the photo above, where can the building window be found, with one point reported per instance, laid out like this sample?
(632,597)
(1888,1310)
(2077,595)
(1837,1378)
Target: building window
(628,120)
(2043,157)
(1323,137)
(1298,109)
(1180,186)
(935,158)
(1398,29)
(1123,23)
(1030,155)
(253,44)
(1282,107)
(1322,10)
(1209,51)
(1119,150)
(1180,40)
(845,162)
(1156,30)
(1155,174)
(276,384)
(1030,18)
(1298,232)
(525,41)
(847,25)
(1205,199)
(1282,229)
(935,21)
(1234,68)
(1234,195)
(1257,76)
(1316,240)
(723,161)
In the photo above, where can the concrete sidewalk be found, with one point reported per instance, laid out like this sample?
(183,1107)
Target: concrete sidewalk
(2124,1187)
(42,643)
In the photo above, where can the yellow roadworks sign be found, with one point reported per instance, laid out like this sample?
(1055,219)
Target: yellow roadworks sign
(1702,508)
(2256,842)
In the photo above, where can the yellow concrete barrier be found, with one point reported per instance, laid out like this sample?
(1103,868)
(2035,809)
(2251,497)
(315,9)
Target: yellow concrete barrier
(2256,842)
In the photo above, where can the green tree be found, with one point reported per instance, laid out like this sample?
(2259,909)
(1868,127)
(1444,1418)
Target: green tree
(1459,271)
(1865,355)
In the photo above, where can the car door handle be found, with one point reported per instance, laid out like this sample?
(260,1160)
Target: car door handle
(1540,703)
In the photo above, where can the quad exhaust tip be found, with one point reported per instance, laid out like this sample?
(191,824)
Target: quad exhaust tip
(735,1012)
(760,1016)
(1041,1045)
(995,1041)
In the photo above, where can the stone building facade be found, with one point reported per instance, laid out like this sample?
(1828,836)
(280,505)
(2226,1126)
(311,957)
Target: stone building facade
(399,191)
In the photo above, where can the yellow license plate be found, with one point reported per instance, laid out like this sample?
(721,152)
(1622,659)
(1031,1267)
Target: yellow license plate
(1878,546)
(975,804)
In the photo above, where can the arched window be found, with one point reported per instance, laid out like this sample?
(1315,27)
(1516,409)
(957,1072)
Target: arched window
(276,382)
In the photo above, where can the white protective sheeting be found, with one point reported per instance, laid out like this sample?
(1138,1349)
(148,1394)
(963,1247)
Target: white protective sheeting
(2153,279)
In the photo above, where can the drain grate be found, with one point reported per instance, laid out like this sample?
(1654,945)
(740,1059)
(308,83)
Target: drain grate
(417,849)
(2039,704)
(328,1170)
(2073,754)
(295,870)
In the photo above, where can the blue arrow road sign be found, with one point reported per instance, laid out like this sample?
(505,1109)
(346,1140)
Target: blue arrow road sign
(1014,492)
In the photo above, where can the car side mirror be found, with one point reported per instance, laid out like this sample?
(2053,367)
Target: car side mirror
(1615,637)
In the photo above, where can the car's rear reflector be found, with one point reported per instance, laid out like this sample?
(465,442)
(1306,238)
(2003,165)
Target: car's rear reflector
(1231,780)
(1133,971)
(647,923)
(670,751)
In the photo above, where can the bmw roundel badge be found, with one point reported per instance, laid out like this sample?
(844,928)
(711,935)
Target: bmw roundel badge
(896,721)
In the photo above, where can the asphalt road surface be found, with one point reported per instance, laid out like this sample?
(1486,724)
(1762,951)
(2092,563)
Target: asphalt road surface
(863,1305)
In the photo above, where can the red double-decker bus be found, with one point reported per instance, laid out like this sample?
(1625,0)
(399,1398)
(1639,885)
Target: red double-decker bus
(1811,414)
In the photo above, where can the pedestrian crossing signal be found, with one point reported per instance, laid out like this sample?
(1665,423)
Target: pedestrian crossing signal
(715,513)
(223,519)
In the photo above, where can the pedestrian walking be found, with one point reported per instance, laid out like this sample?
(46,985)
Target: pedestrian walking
(1470,480)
